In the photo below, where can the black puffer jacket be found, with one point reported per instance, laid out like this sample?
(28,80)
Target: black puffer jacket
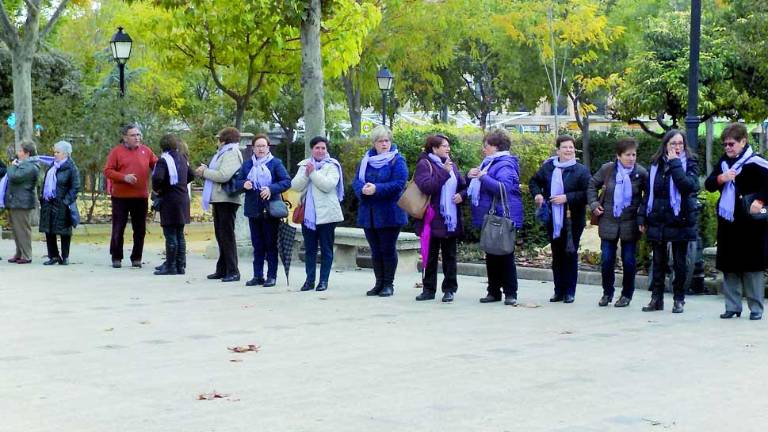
(661,223)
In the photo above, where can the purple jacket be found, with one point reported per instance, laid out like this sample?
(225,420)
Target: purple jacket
(504,170)
(432,184)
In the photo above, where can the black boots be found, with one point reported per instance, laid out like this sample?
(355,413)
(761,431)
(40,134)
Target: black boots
(169,267)
(181,261)
(388,278)
(656,304)
(378,271)
(678,306)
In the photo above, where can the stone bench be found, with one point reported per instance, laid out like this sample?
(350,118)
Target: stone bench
(348,240)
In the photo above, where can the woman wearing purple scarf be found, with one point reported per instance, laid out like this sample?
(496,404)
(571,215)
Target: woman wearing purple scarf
(562,183)
(321,183)
(622,182)
(742,241)
(670,214)
(378,183)
(264,178)
(498,170)
(60,188)
(437,176)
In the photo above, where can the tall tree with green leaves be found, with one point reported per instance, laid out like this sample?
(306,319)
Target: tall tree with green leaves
(22,26)
(568,35)
(656,81)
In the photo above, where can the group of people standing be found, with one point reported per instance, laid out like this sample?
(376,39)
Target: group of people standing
(57,210)
(624,199)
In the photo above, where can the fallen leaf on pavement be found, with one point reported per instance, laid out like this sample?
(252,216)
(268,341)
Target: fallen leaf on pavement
(244,348)
(211,396)
(248,306)
(143,322)
(109,329)
(566,332)
(236,360)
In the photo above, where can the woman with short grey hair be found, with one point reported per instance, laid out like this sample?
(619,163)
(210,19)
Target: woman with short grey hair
(17,193)
(60,188)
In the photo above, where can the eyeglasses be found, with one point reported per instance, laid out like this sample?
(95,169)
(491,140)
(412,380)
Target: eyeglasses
(730,144)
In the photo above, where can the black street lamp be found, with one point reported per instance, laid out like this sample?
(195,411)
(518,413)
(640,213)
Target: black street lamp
(121,52)
(692,119)
(385,80)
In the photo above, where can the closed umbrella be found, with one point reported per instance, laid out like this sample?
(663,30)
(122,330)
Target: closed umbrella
(286,234)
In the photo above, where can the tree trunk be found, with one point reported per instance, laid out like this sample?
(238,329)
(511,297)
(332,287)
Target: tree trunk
(444,113)
(22,94)
(239,113)
(352,92)
(483,119)
(585,149)
(312,75)
(710,137)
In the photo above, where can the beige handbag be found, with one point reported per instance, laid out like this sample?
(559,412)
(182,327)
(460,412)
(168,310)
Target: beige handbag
(413,201)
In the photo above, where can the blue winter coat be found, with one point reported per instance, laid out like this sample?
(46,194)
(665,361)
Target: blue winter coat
(254,206)
(380,210)
(505,171)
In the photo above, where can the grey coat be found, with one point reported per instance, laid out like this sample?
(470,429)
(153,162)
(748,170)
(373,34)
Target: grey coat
(625,227)
(22,185)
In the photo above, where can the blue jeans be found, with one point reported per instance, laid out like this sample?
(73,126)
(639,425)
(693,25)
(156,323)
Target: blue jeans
(628,261)
(324,235)
(264,240)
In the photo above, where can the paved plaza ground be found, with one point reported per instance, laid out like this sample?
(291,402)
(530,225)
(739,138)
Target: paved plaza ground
(90,348)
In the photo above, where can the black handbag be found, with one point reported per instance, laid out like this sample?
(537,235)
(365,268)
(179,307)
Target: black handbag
(277,208)
(498,235)
(747,201)
(230,187)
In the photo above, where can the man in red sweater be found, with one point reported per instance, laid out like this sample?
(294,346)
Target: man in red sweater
(128,168)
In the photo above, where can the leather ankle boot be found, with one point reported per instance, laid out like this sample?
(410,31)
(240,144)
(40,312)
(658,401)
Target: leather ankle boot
(377,271)
(678,307)
(656,304)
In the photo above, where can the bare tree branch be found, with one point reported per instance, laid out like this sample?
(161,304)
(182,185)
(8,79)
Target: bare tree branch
(34,8)
(9,35)
(55,17)
(645,128)
(212,67)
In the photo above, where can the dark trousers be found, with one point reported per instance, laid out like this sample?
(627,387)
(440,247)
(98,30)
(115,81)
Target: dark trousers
(53,247)
(502,275)
(174,238)
(628,262)
(448,246)
(383,243)
(264,241)
(323,235)
(224,229)
(660,259)
(121,209)
(565,265)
